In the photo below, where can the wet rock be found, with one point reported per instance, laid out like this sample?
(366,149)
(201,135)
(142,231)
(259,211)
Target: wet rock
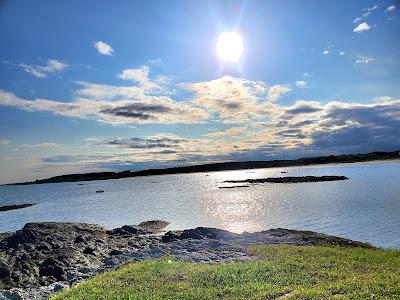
(13,294)
(5,272)
(198,233)
(89,250)
(52,267)
(115,252)
(79,239)
(148,227)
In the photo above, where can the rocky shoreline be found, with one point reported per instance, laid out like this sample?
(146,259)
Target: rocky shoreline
(43,258)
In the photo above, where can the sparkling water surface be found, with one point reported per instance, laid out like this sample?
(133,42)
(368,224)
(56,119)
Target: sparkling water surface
(366,207)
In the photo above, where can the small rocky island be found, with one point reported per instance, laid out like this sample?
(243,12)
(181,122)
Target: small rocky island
(15,206)
(289,179)
(43,258)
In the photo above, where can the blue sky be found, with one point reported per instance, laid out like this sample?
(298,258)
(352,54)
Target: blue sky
(91,86)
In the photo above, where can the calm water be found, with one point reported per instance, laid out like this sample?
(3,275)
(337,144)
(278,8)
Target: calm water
(366,207)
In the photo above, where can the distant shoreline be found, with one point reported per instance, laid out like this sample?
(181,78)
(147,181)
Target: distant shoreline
(223,166)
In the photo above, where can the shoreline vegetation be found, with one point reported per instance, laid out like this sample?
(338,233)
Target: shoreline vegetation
(223,166)
(86,261)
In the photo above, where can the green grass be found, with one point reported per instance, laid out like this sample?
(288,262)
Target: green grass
(289,272)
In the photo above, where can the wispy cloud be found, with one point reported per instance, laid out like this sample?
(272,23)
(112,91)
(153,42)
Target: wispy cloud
(364,60)
(300,83)
(342,53)
(367,12)
(227,133)
(390,8)
(362,27)
(103,48)
(40,145)
(52,66)
(326,52)
(4,142)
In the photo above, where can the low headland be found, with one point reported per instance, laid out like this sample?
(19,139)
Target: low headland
(146,261)
(223,166)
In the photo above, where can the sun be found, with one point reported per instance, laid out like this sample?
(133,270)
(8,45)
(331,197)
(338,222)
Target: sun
(229,46)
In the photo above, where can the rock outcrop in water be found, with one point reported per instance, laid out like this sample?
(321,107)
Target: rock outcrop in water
(43,258)
(289,179)
(15,206)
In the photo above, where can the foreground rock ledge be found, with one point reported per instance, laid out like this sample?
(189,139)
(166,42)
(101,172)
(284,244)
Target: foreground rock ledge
(43,258)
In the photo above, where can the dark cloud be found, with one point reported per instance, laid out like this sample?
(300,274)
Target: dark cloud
(137,111)
(61,159)
(231,105)
(145,143)
(358,138)
(303,109)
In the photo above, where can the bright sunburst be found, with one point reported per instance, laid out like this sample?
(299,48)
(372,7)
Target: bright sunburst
(230,46)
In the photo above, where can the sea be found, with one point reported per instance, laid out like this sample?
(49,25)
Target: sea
(366,207)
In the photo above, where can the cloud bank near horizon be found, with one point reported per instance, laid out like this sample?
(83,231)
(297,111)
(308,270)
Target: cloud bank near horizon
(257,125)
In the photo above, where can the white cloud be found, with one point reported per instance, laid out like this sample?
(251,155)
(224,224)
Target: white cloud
(362,27)
(4,142)
(141,77)
(373,7)
(235,100)
(52,66)
(364,60)
(369,10)
(40,145)
(384,98)
(156,61)
(116,105)
(230,132)
(366,14)
(300,83)
(342,53)
(326,52)
(357,20)
(103,48)
(390,8)
(276,91)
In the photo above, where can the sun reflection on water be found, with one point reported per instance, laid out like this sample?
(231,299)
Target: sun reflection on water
(236,210)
